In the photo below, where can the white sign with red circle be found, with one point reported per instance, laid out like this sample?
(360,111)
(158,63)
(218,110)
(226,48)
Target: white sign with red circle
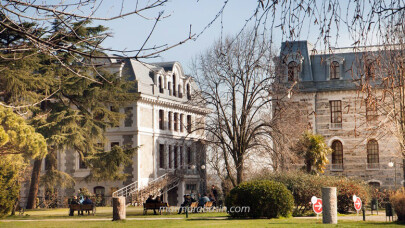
(357,202)
(316,204)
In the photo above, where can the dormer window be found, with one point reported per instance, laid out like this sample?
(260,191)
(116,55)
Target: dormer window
(188,92)
(160,85)
(174,85)
(292,71)
(335,67)
(334,70)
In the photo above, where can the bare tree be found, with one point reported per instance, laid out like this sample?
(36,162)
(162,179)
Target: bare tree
(235,78)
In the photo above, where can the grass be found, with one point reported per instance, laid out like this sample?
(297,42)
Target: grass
(103,212)
(219,220)
(203,222)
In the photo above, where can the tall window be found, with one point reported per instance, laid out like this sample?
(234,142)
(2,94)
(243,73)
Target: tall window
(169,87)
(169,120)
(188,92)
(161,156)
(115,109)
(170,157)
(161,119)
(372,152)
(337,155)
(292,71)
(176,157)
(371,110)
(336,114)
(181,122)
(160,85)
(334,70)
(176,121)
(181,156)
(174,85)
(189,157)
(189,123)
(82,162)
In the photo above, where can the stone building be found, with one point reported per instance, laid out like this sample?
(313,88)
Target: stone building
(165,126)
(326,87)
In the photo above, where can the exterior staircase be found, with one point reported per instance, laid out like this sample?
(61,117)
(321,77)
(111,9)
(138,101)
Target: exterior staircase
(156,187)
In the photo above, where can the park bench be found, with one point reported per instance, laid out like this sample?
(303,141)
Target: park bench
(154,206)
(82,207)
(193,206)
(208,204)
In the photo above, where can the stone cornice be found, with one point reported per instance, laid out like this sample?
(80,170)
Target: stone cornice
(174,104)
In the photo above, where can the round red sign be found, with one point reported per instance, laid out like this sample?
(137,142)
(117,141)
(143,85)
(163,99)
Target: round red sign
(357,204)
(317,207)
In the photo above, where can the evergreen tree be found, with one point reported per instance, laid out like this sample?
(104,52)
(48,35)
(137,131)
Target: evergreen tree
(73,99)
(18,143)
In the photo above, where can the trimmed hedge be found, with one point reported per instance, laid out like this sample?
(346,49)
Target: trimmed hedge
(303,186)
(264,198)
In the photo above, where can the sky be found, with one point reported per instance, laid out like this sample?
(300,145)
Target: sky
(130,32)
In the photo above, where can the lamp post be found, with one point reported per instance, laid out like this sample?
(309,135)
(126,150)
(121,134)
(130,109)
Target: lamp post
(392,164)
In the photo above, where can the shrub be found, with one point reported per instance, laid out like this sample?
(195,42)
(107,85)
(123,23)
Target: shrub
(398,201)
(264,198)
(303,186)
(346,189)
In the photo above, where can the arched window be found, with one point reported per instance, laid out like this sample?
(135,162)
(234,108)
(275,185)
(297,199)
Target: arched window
(292,71)
(188,92)
(334,70)
(374,184)
(174,85)
(180,92)
(337,155)
(160,85)
(373,159)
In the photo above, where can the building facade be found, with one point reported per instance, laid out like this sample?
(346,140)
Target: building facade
(165,126)
(327,87)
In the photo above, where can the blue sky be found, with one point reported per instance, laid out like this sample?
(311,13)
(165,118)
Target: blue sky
(130,32)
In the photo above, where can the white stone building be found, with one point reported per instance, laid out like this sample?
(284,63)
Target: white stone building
(327,90)
(163,123)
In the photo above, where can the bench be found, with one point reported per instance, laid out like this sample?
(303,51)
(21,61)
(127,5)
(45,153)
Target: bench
(154,206)
(208,204)
(82,207)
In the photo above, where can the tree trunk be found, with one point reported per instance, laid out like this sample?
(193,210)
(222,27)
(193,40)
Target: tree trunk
(32,196)
(308,166)
(239,173)
(403,169)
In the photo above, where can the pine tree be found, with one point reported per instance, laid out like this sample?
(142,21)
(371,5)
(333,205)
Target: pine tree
(18,143)
(73,99)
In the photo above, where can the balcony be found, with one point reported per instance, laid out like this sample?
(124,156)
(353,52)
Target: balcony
(373,166)
(336,167)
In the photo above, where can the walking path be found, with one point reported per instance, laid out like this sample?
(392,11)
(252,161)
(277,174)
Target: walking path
(373,218)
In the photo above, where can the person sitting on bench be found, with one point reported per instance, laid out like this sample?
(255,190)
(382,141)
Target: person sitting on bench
(186,203)
(151,200)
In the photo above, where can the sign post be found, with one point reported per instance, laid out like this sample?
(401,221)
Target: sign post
(357,203)
(316,205)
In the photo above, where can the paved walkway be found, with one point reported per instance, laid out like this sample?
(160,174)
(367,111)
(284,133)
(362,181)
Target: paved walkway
(374,218)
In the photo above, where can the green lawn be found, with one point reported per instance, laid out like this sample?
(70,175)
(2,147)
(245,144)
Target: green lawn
(103,212)
(205,222)
(173,220)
